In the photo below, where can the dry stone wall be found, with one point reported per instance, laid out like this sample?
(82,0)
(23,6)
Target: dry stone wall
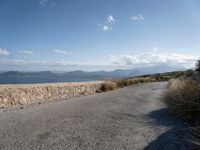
(38,93)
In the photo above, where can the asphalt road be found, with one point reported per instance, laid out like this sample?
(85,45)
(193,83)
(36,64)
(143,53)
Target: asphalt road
(130,118)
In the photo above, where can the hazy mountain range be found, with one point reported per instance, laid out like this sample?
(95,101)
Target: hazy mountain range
(16,77)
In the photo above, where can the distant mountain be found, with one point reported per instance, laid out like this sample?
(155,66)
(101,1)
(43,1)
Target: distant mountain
(16,77)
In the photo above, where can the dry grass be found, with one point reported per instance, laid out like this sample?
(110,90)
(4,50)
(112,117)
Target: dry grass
(115,84)
(183,99)
(126,82)
(107,86)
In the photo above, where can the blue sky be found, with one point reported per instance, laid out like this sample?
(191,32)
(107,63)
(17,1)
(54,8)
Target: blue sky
(98,34)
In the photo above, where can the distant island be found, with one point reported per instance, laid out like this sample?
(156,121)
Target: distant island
(21,77)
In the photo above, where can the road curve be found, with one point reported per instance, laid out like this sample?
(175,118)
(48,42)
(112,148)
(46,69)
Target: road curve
(126,119)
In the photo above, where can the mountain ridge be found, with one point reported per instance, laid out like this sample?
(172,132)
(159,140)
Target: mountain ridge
(16,77)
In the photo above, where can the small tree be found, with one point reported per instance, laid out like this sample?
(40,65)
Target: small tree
(198,66)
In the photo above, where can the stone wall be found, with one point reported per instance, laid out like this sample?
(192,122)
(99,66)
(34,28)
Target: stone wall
(39,93)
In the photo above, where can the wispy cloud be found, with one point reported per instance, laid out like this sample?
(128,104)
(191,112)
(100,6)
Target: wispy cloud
(60,51)
(110,19)
(48,3)
(139,17)
(4,52)
(108,24)
(104,27)
(22,62)
(53,5)
(42,2)
(24,54)
(155,57)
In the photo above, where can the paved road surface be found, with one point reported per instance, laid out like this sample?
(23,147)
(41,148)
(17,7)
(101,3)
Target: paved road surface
(129,118)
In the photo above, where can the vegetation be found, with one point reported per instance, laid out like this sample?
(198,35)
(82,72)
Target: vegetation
(115,84)
(183,99)
(107,86)
(159,77)
(198,66)
(126,82)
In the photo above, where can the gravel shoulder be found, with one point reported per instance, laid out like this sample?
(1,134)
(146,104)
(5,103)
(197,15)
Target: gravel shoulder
(126,119)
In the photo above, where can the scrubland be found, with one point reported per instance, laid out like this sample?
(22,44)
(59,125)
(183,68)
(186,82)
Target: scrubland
(183,100)
(115,84)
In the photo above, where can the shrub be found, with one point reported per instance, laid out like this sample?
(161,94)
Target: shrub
(143,80)
(126,82)
(183,99)
(198,66)
(112,85)
(189,73)
(107,86)
(123,83)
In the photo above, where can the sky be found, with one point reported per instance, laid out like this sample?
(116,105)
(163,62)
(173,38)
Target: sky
(64,35)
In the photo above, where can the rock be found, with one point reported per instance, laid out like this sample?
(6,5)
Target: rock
(2,106)
(5,100)
(34,93)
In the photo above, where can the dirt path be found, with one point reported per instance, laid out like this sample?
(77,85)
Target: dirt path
(129,118)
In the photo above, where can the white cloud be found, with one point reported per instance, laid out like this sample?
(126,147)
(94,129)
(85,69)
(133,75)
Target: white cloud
(155,49)
(104,27)
(25,52)
(4,52)
(152,58)
(60,52)
(110,19)
(139,17)
(108,24)
(22,62)
(42,2)
(125,61)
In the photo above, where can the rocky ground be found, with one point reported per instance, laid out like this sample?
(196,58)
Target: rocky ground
(23,94)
